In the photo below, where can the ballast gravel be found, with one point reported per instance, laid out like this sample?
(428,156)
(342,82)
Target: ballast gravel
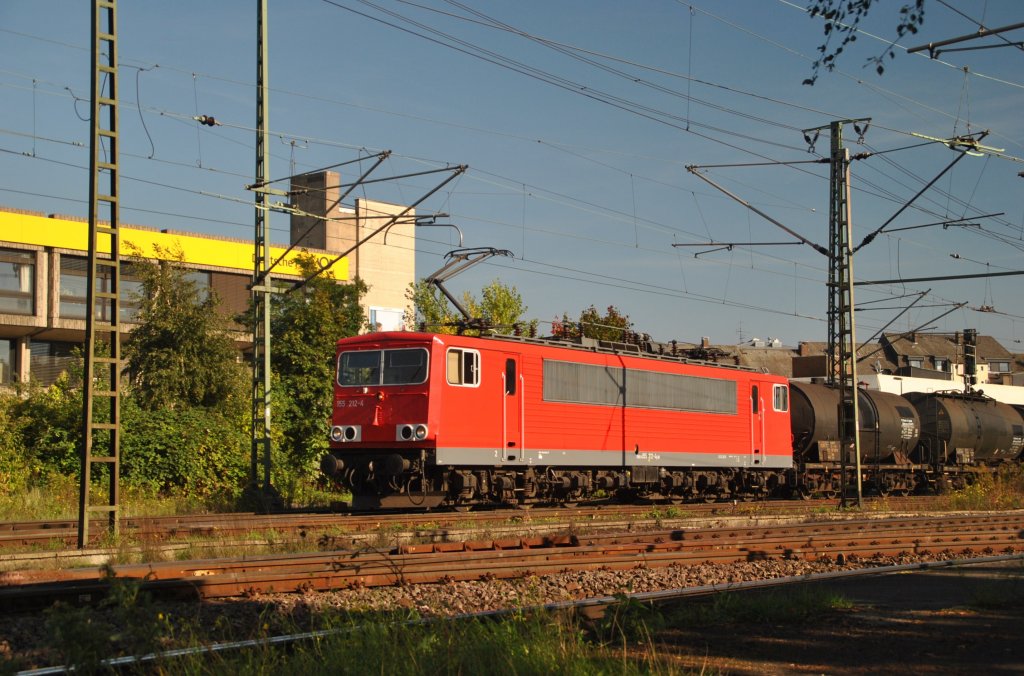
(27,641)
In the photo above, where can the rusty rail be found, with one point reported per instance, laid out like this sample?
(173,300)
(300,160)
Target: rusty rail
(518,557)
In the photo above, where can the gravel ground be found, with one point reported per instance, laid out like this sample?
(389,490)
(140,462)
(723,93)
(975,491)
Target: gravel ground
(26,641)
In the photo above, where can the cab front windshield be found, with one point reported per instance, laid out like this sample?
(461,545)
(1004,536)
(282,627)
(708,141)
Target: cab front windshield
(406,366)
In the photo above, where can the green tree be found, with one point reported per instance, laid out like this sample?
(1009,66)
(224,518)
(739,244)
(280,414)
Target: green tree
(181,353)
(428,307)
(612,326)
(842,21)
(304,327)
(500,306)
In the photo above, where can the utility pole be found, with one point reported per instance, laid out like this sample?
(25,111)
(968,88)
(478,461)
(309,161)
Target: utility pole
(842,342)
(841,352)
(262,282)
(101,410)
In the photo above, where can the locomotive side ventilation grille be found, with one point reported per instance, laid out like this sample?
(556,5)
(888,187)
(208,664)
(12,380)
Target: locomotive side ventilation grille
(589,384)
(582,383)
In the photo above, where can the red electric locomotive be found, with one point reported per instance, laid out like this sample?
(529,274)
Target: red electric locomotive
(422,420)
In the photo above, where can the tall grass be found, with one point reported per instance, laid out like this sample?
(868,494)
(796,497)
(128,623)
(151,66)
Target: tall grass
(999,490)
(523,643)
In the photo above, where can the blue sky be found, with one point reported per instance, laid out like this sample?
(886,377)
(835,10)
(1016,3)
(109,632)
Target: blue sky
(589,196)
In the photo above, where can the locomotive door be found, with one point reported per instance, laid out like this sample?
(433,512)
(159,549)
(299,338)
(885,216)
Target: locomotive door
(512,409)
(756,425)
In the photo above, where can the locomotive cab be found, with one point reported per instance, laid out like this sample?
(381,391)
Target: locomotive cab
(380,425)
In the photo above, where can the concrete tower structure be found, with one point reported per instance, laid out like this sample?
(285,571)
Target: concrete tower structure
(386,262)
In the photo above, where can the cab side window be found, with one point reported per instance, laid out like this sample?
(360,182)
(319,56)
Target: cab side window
(463,367)
(781,398)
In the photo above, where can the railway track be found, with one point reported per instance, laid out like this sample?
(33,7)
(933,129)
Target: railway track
(21,535)
(489,559)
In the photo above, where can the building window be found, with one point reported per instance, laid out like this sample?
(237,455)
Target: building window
(463,367)
(17,282)
(48,360)
(6,362)
(74,283)
(201,280)
(386,319)
(233,294)
(999,366)
(941,364)
(915,362)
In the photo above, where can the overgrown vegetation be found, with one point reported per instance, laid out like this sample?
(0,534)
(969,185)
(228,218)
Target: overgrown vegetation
(1003,489)
(128,623)
(626,640)
(612,325)
(185,410)
(305,325)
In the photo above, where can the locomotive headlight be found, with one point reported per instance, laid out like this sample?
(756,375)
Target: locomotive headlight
(345,433)
(411,432)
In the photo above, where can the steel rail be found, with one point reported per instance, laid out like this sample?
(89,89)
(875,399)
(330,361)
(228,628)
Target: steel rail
(591,604)
(511,558)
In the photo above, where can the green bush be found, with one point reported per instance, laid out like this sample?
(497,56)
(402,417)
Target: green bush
(49,427)
(15,464)
(195,452)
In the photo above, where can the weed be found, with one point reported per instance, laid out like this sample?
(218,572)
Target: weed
(999,490)
(535,643)
(774,607)
(629,621)
(125,623)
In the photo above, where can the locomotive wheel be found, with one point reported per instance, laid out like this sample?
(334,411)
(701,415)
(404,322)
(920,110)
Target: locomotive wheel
(570,505)
(462,508)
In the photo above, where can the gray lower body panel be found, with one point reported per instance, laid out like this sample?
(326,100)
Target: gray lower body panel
(545,457)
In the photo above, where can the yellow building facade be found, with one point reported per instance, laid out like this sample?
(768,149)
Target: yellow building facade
(43,268)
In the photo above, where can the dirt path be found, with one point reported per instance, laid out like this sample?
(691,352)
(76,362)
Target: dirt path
(966,620)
